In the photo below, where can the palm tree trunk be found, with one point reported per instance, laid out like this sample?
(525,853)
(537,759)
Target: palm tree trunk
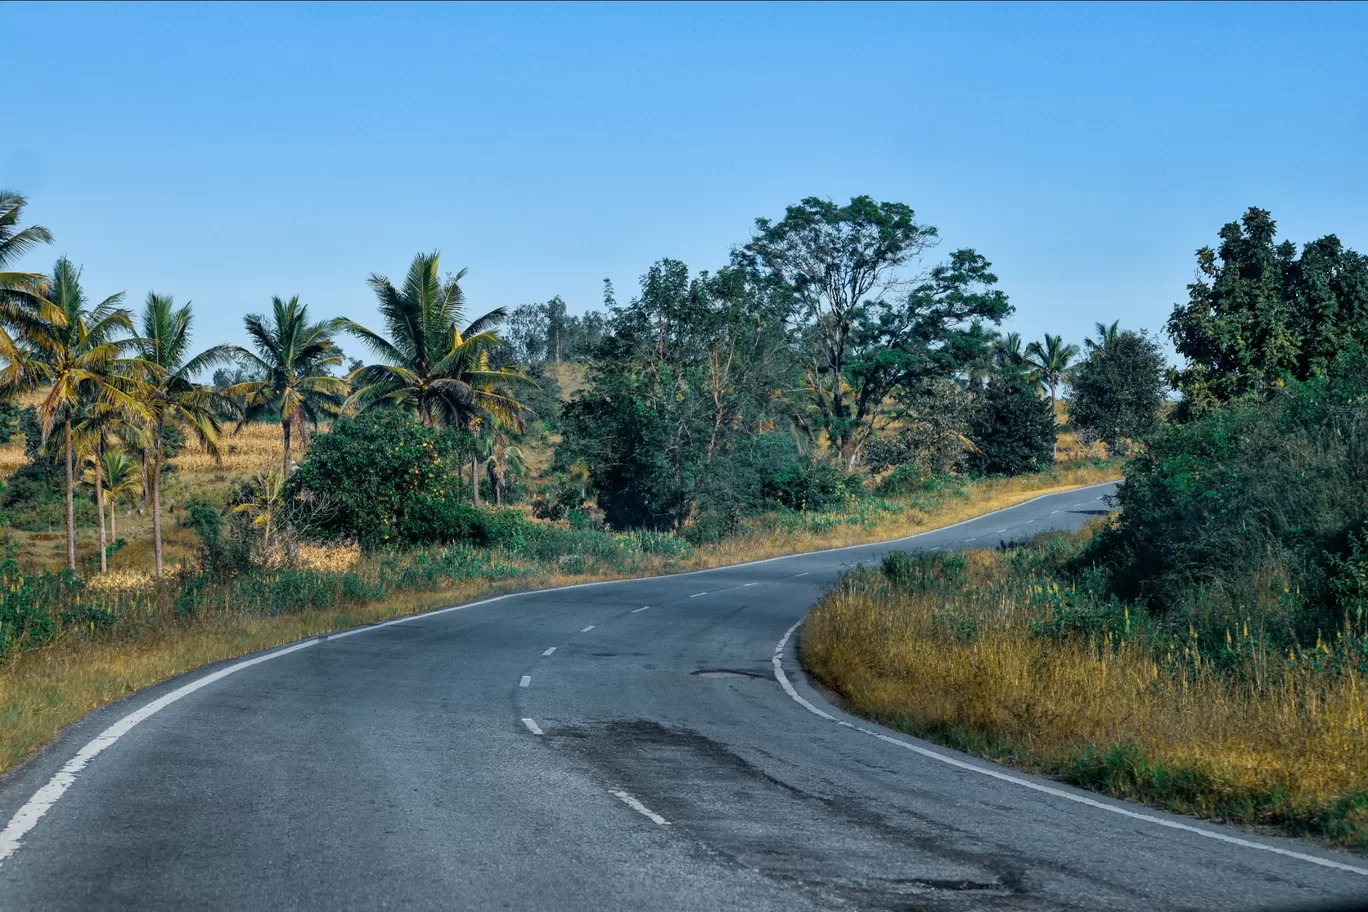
(475,478)
(100,505)
(285,429)
(70,500)
(155,472)
(113,512)
(1054,423)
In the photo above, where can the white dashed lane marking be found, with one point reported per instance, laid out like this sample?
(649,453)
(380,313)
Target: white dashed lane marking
(526,680)
(549,651)
(587,629)
(532,726)
(640,808)
(641,609)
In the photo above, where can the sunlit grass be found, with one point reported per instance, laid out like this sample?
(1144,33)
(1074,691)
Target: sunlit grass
(1273,740)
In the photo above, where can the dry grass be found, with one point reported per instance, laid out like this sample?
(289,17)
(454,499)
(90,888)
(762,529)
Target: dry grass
(48,688)
(1285,746)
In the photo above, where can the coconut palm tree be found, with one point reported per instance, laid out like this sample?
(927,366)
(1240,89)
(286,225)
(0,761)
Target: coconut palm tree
(428,363)
(1050,364)
(24,308)
(502,459)
(116,476)
(173,394)
(293,358)
(84,360)
(1106,336)
(268,500)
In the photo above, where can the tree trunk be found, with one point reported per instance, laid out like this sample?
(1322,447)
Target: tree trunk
(285,429)
(100,505)
(1054,422)
(475,479)
(70,500)
(113,513)
(155,471)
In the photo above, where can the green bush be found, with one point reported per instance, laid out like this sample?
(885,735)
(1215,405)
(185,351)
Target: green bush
(1251,511)
(1012,428)
(387,480)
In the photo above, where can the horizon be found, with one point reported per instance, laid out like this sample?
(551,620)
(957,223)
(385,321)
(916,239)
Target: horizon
(557,147)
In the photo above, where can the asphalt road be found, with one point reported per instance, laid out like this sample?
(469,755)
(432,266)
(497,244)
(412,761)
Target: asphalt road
(653,760)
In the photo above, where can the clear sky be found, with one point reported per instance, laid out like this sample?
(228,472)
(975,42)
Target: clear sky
(228,153)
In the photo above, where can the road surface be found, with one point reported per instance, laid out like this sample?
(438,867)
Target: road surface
(628,746)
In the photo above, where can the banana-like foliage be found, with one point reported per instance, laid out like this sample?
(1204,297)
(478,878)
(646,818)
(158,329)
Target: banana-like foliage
(426,362)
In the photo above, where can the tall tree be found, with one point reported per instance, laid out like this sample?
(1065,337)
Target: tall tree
(84,364)
(427,362)
(833,260)
(1050,363)
(293,359)
(1259,315)
(174,397)
(1106,335)
(116,477)
(1118,390)
(23,308)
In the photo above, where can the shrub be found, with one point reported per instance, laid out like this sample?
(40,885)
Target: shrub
(1012,428)
(388,480)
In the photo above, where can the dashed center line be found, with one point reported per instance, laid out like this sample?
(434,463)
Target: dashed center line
(526,680)
(698,594)
(748,585)
(639,807)
(804,573)
(587,629)
(532,726)
(1053,512)
(1028,522)
(641,609)
(549,651)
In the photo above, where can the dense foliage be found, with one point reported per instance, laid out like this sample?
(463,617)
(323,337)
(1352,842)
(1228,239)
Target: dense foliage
(1118,390)
(1260,316)
(1012,428)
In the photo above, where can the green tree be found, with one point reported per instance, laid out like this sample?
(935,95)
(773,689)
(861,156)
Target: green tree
(1106,335)
(428,363)
(681,387)
(293,360)
(1260,316)
(1118,389)
(1050,364)
(833,260)
(1012,428)
(118,475)
(174,398)
(83,363)
(24,309)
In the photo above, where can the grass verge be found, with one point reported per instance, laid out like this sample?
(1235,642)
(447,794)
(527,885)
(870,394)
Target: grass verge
(992,654)
(105,644)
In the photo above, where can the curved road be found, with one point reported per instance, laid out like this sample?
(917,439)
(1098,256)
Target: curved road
(577,749)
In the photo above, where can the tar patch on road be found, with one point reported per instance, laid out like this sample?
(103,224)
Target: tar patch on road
(834,850)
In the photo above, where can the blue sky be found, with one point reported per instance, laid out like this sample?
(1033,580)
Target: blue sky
(228,153)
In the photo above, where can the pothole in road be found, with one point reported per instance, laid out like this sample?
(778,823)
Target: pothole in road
(725,673)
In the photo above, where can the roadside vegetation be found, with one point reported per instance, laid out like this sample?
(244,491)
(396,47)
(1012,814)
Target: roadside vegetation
(169,503)
(1206,648)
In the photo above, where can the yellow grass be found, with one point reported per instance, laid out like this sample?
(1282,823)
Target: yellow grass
(45,690)
(1286,749)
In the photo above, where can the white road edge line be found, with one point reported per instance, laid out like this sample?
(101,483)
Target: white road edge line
(640,808)
(1036,786)
(641,609)
(532,726)
(526,681)
(587,629)
(32,810)
(549,651)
